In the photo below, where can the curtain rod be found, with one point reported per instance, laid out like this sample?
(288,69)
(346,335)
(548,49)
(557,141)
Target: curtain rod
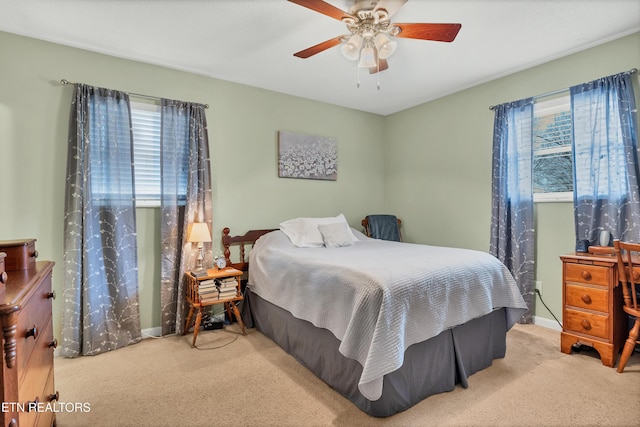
(65,82)
(631,71)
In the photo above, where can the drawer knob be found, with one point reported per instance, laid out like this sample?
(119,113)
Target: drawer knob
(51,295)
(35,254)
(33,332)
(54,344)
(54,397)
(586,275)
(586,299)
(33,404)
(586,324)
(3,277)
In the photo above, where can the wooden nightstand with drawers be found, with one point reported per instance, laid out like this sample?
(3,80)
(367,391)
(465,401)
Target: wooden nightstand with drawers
(592,312)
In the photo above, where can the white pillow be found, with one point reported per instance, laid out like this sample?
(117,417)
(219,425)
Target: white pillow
(336,235)
(304,233)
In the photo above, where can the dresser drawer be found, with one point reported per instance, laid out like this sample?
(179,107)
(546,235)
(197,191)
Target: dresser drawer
(591,298)
(585,273)
(21,254)
(36,313)
(47,419)
(582,322)
(36,374)
(41,356)
(38,387)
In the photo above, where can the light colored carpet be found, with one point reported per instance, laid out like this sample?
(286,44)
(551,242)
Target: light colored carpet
(238,380)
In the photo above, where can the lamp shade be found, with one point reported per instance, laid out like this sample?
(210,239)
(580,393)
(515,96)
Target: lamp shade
(199,232)
(385,46)
(367,57)
(351,49)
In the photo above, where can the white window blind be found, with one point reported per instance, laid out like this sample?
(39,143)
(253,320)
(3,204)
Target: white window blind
(145,121)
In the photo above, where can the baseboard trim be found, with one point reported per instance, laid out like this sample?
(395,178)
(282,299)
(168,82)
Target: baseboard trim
(546,323)
(152,332)
(146,333)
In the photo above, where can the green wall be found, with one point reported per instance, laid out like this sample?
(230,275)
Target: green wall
(439,161)
(242,122)
(430,164)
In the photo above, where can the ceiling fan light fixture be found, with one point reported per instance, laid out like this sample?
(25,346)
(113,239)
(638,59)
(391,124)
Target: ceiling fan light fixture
(372,35)
(351,49)
(367,57)
(385,46)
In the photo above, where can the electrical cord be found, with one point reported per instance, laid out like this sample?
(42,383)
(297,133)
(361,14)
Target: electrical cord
(545,306)
(219,346)
(153,336)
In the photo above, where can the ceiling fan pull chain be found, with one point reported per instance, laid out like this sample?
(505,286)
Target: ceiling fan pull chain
(378,72)
(358,76)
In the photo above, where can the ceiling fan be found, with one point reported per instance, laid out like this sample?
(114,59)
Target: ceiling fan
(372,34)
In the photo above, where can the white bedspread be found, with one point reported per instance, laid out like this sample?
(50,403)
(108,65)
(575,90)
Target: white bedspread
(379,297)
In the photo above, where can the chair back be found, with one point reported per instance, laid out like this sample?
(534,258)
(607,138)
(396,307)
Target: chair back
(628,255)
(382,226)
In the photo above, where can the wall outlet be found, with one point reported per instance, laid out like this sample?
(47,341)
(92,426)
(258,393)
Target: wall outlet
(539,286)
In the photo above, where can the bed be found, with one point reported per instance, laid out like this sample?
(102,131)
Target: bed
(386,324)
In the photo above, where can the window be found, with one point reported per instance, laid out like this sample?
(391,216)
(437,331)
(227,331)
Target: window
(146,130)
(552,156)
(145,122)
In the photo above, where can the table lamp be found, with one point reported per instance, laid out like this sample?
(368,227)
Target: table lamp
(199,234)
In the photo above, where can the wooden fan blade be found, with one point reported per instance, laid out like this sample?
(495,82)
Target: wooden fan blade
(383,66)
(318,48)
(323,7)
(435,32)
(391,6)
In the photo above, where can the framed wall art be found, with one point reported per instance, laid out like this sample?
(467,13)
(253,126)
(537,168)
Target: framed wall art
(307,156)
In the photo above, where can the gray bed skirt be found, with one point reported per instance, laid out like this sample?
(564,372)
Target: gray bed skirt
(430,367)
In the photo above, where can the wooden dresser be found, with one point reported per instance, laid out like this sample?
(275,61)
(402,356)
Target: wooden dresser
(592,312)
(27,369)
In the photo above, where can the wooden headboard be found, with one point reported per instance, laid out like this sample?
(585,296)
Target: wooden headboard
(248,239)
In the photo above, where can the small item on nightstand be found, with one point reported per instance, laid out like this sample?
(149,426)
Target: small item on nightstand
(210,323)
(198,274)
(582,246)
(605,238)
(221,262)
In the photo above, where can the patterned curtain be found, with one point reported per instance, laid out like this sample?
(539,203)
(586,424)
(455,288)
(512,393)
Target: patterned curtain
(605,146)
(101,310)
(512,232)
(185,153)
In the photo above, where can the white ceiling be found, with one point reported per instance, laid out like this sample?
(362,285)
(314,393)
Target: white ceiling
(252,41)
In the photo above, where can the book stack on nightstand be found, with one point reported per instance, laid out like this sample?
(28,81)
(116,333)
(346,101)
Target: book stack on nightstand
(207,290)
(227,287)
